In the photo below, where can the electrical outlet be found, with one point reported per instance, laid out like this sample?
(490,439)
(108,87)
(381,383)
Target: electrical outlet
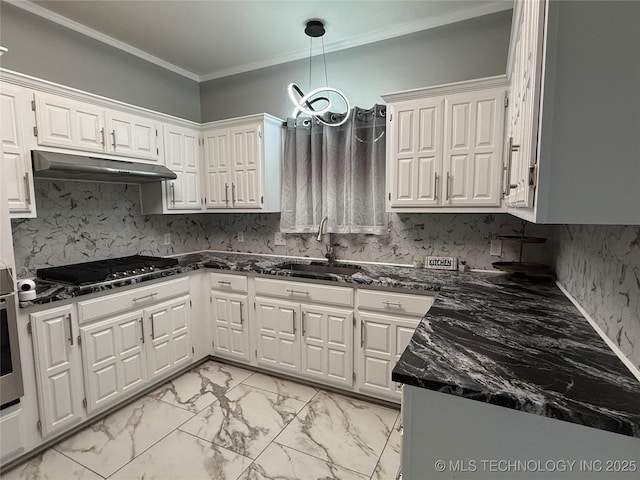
(241,237)
(496,248)
(167,239)
(280,239)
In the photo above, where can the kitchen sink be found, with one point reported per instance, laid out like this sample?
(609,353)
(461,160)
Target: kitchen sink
(321,268)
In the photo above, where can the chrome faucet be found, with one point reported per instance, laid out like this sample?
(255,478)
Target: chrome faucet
(330,254)
(323,222)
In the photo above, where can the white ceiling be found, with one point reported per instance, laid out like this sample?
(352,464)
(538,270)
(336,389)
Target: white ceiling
(209,39)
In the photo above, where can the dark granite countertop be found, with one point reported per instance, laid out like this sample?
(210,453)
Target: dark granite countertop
(514,343)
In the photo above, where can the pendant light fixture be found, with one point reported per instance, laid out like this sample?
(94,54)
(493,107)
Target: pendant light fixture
(307,103)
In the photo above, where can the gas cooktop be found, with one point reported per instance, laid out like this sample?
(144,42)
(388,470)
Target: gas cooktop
(106,270)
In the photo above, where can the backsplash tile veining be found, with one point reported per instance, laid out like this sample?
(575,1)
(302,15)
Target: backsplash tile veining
(600,266)
(81,221)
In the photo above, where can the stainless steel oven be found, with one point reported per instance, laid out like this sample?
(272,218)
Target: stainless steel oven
(11,388)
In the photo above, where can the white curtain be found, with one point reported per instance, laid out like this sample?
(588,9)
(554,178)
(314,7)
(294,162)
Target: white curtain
(337,172)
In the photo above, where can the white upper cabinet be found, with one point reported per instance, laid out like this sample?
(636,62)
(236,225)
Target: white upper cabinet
(573,117)
(473,148)
(242,164)
(71,124)
(182,156)
(444,151)
(133,136)
(16,159)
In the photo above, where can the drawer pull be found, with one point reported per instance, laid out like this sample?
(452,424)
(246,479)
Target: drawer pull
(151,295)
(70,329)
(224,282)
(299,292)
(392,304)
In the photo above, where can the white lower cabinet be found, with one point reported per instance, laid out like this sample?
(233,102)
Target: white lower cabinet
(114,358)
(169,344)
(327,344)
(386,321)
(58,369)
(230,316)
(278,344)
(313,340)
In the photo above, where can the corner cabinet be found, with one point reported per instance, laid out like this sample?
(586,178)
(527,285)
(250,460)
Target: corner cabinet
(242,159)
(16,158)
(444,151)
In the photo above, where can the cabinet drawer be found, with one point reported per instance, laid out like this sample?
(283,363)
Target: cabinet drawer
(140,297)
(226,282)
(392,302)
(305,292)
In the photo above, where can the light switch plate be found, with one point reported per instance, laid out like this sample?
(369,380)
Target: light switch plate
(241,237)
(496,248)
(280,239)
(167,239)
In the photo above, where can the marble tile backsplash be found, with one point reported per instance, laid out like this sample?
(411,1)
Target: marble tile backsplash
(82,221)
(600,266)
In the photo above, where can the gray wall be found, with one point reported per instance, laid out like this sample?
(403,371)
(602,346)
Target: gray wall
(460,51)
(49,51)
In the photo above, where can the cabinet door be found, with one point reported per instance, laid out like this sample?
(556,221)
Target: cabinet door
(16,161)
(58,369)
(114,359)
(230,327)
(169,336)
(327,344)
(382,340)
(181,156)
(278,342)
(246,155)
(415,153)
(69,124)
(473,133)
(218,169)
(132,136)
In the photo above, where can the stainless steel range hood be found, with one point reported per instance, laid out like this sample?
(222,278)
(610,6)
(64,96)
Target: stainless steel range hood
(80,167)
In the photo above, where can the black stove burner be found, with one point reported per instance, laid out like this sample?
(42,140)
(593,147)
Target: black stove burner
(103,270)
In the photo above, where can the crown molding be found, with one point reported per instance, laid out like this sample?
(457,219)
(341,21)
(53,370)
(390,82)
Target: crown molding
(101,37)
(370,37)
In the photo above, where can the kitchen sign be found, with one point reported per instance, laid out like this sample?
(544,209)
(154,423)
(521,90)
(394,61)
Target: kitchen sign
(442,263)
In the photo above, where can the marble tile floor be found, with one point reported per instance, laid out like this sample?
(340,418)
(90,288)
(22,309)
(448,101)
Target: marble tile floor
(221,422)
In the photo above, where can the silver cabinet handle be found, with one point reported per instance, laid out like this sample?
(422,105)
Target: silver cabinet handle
(226,193)
(392,304)
(70,329)
(224,282)
(362,333)
(151,295)
(303,324)
(233,193)
(435,187)
(400,428)
(293,322)
(113,135)
(142,329)
(27,190)
(399,473)
(173,193)
(448,185)
(153,329)
(102,136)
(241,316)
(300,292)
